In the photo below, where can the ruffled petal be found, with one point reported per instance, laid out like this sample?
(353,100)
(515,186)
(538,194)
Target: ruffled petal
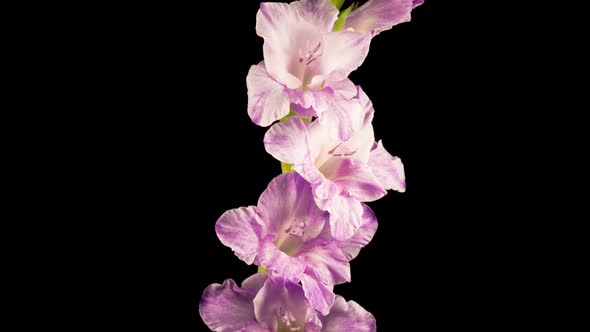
(344,52)
(319,295)
(348,317)
(280,300)
(343,118)
(356,178)
(346,216)
(289,197)
(288,29)
(239,230)
(286,141)
(226,308)
(388,170)
(327,261)
(279,263)
(267,99)
(366,105)
(311,103)
(351,247)
(380,15)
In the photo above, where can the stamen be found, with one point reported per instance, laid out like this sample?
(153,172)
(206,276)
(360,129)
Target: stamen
(288,320)
(297,228)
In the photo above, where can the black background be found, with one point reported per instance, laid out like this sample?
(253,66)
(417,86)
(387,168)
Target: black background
(112,188)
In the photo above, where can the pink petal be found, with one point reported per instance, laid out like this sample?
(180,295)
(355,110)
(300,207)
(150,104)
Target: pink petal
(289,197)
(356,178)
(351,247)
(279,295)
(319,295)
(379,15)
(226,308)
(286,141)
(239,230)
(267,99)
(344,118)
(389,170)
(327,261)
(279,263)
(346,216)
(287,29)
(348,317)
(366,105)
(344,52)
(311,103)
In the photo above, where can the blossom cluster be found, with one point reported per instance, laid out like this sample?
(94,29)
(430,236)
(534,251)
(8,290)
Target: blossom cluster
(313,219)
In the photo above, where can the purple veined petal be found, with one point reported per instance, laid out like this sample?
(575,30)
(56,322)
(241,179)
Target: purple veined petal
(253,326)
(351,247)
(304,112)
(344,89)
(346,216)
(226,308)
(417,3)
(307,169)
(348,316)
(366,105)
(267,99)
(379,15)
(327,262)
(311,102)
(344,52)
(254,283)
(389,170)
(281,305)
(287,202)
(356,178)
(239,230)
(319,295)
(361,143)
(344,118)
(279,263)
(290,30)
(286,141)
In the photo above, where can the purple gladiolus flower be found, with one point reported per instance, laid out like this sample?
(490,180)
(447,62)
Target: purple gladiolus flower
(289,236)
(380,15)
(341,174)
(306,65)
(268,304)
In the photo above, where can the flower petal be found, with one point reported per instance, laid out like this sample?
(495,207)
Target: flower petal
(366,105)
(226,308)
(289,197)
(279,263)
(344,88)
(327,262)
(239,230)
(344,52)
(348,317)
(319,295)
(254,283)
(356,178)
(287,29)
(346,216)
(379,15)
(279,295)
(311,103)
(267,99)
(286,141)
(344,118)
(351,247)
(389,170)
